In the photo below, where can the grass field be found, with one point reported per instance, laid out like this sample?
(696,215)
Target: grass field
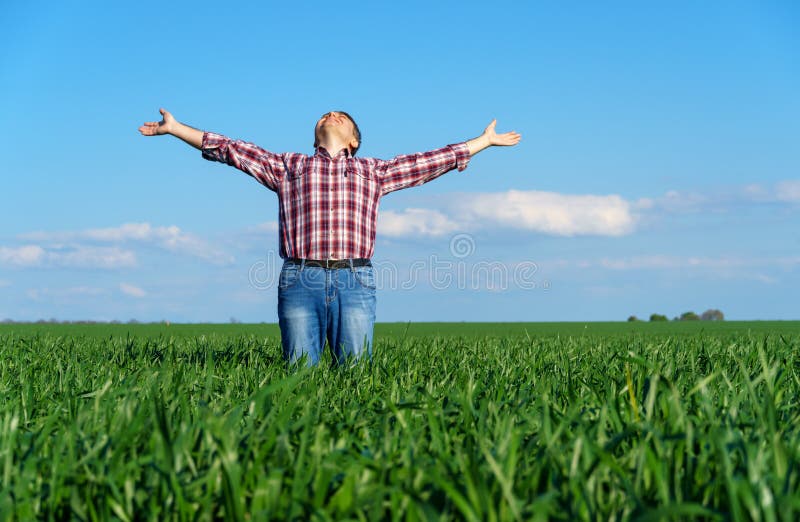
(475,421)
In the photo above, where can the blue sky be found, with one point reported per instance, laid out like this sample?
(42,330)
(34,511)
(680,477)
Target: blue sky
(658,170)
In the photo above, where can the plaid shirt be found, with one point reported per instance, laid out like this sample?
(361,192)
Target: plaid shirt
(329,205)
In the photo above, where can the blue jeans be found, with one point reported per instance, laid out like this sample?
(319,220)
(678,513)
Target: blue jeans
(315,304)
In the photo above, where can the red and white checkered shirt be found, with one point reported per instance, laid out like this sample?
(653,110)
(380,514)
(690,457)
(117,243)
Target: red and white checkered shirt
(329,205)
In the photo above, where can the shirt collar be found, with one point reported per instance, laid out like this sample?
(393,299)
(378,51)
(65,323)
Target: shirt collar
(324,152)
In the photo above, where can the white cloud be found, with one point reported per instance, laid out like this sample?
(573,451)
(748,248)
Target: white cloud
(26,255)
(253,238)
(76,257)
(415,222)
(127,231)
(764,278)
(131,290)
(37,294)
(788,191)
(181,243)
(93,257)
(787,262)
(84,290)
(659,261)
(549,212)
(766,270)
(170,238)
(4,283)
(680,202)
(664,261)
(755,192)
(722,198)
(267,226)
(640,262)
(535,211)
(563,214)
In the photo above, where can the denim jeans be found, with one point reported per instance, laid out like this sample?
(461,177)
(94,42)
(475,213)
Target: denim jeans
(315,304)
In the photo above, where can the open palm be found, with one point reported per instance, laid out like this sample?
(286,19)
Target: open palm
(157,128)
(505,139)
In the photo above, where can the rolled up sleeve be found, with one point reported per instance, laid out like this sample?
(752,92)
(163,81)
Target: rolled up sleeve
(266,167)
(411,170)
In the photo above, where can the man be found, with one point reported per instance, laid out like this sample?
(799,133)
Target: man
(328,208)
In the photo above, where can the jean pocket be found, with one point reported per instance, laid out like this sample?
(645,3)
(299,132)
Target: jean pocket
(290,275)
(365,275)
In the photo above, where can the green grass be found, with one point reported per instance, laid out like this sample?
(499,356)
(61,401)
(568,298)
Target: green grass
(518,329)
(520,421)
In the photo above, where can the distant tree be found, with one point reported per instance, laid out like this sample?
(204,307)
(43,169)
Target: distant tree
(133,321)
(657,317)
(689,316)
(632,319)
(8,321)
(712,314)
(234,320)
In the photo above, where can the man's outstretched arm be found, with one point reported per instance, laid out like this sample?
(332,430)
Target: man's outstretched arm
(169,125)
(412,170)
(266,167)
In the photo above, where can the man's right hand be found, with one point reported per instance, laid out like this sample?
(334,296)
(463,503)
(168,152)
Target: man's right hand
(168,125)
(157,128)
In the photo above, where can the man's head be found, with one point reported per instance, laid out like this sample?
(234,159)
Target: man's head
(340,126)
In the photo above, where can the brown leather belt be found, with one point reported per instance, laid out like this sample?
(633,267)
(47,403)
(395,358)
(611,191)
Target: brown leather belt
(330,263)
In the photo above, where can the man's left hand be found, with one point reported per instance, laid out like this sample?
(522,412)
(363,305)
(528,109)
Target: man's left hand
(505,139)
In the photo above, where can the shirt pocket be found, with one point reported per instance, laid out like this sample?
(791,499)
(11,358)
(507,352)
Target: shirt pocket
(299,171)
(357,169)
(361,181)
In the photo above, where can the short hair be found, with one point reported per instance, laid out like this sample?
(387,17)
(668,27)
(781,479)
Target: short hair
(356,131)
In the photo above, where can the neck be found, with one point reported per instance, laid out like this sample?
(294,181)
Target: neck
(333,144)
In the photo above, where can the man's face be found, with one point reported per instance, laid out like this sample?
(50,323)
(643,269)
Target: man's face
(336,123)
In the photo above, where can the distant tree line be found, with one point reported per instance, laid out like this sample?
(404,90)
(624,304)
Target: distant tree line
(711,314)
(232,320)
(79,321)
